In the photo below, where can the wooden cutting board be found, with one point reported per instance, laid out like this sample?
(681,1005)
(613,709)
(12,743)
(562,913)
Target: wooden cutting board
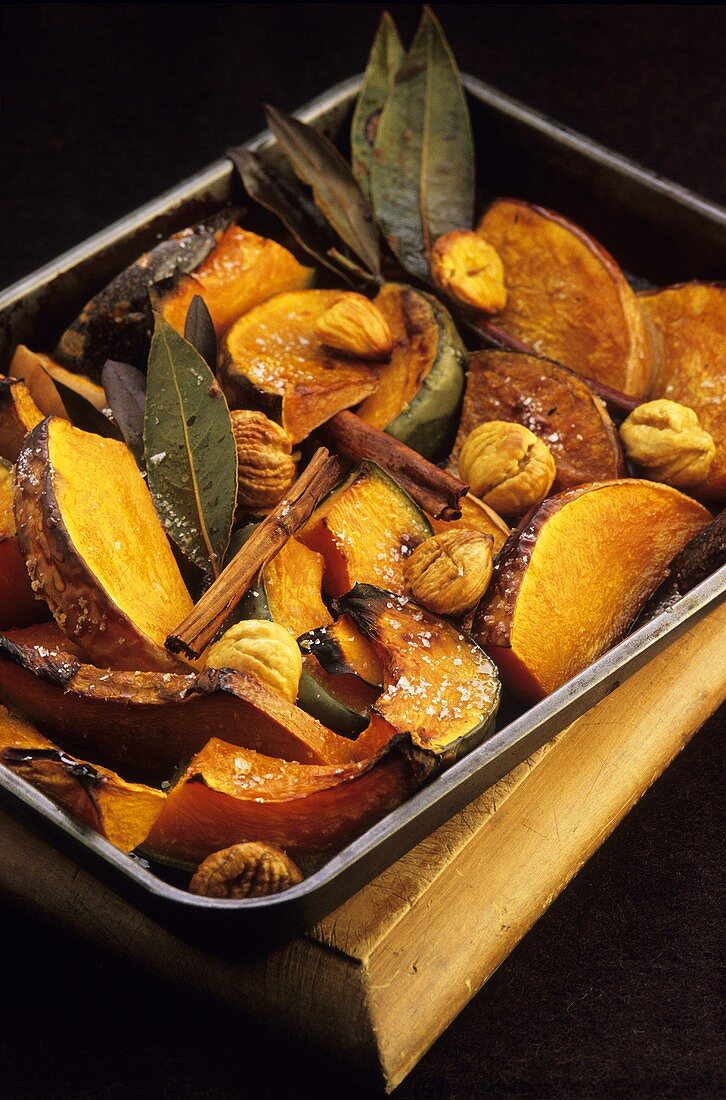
(374,984)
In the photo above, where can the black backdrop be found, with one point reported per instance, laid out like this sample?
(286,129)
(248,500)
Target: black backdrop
(616,991)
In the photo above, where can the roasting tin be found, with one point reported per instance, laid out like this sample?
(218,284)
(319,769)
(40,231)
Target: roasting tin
(658,230)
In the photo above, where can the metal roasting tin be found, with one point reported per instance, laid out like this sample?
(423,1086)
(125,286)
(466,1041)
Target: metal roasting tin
(657,230)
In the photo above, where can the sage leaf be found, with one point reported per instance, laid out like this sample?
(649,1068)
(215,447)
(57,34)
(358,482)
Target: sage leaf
(289,200)
(191,459)
(199,331)
(125,389)
(422,170)
(385,57)
(318,163)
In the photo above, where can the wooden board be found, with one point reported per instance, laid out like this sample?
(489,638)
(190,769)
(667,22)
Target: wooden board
(377,982)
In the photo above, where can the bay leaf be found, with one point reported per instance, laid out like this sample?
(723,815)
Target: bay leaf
(318,163)
(289,200)
(385,57)
(422,170)
(199,331)
(191,459)
(125,389)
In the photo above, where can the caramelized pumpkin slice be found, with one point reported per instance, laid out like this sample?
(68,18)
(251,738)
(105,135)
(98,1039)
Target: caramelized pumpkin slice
(229,795)
(421,386)
(117,322)
(341,649)
(18,415)
(570,584)
(95,547)
(690,328)
(476,516)
(554,403)
(243,271)
(289,593)
(567,297)
(31,367)
(365,529)
(441,691)
(122,812)
(142,724)
(18,605)
(271,359)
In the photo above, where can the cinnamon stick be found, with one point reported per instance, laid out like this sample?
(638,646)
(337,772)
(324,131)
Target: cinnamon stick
(433,489)
(619,405)
(208,616)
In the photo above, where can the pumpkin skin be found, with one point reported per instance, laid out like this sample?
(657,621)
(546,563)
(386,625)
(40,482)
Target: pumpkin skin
(122,812)
(143,724)
(228,794)
(117,322)
(420,389)
(591,556)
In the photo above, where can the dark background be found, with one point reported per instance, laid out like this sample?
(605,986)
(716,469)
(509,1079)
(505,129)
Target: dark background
(616,991)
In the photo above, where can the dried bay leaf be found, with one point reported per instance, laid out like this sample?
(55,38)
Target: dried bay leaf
(289,200)
(125,389)
(318,163)
(385,57)
(199,331)
(191,459)
(422,170)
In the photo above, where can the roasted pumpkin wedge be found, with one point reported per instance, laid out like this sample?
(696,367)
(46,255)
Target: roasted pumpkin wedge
(440,690)
(18,415)
(271,359)
(122,812)
(364,530)
(341,649)
(571,581)
(554,403)
(476,516)
(46,380)
(420,387)
(289,593)
(689,322)
(142,724)
(95,547)
(567,297)
(240,273)
(229,794)
(117,322)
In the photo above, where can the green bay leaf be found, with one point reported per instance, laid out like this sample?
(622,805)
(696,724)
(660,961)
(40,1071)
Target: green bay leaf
(422,170)
(317,162)
(385,57)
(191,459)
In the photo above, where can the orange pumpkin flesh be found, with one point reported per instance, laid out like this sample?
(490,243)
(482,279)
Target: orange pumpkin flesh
(365,530)
(567,298)
(122,812)
(475,516)
(272,359)
(142,724)
(229,794)
(18,605)
(567,587)
(243,271)
(690,327)
(31,367)
(95,547)
(553,402)
(18,415)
